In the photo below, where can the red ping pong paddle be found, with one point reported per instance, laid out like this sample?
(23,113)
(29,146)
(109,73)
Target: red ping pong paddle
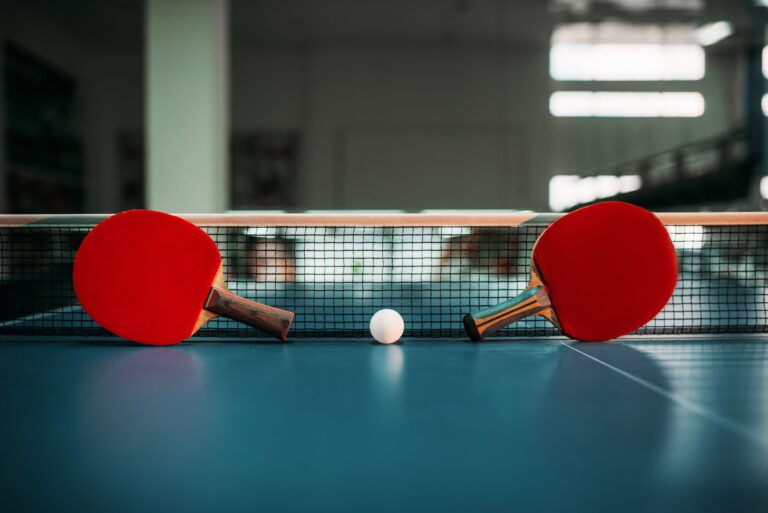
(598,273)
(156,279)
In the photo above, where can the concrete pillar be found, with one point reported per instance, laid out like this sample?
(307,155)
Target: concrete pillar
(187,105)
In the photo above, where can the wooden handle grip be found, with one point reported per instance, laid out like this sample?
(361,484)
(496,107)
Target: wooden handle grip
(274,321)
(532,301)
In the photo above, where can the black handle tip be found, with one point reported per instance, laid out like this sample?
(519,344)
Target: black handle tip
(471,328)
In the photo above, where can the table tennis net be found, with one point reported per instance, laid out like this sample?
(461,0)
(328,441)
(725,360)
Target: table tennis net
(335,277)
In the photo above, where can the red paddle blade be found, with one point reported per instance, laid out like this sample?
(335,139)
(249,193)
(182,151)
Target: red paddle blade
(608,269)
(144,275)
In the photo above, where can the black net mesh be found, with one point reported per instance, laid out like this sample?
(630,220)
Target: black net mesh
(335,278)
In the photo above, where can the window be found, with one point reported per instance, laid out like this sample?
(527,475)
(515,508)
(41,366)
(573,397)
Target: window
(612,62)
(765,61)
(764,100)
(764,187)
(711,33)
(566,191)
(626,104)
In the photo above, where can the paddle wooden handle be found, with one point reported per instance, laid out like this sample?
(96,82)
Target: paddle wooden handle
(272,320)
(532,301)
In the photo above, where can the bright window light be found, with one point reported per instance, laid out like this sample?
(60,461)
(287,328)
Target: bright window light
(712,33)
(690,238)
(626,104)
(764,187)
(617,32)
(568,190)
(764,104)
(264,232)
(568,61)
(765,61)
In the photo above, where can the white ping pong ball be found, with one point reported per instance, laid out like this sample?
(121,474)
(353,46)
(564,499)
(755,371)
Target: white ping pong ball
(387,326)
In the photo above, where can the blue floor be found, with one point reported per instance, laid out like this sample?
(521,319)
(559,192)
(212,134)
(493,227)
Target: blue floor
(655,425)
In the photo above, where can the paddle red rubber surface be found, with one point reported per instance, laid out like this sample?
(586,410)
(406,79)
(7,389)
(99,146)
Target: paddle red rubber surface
(608,269)
(144,275)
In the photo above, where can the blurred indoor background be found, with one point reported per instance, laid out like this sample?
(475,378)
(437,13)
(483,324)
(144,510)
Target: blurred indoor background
(216,105)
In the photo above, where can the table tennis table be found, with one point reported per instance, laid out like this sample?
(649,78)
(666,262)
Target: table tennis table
(659,421)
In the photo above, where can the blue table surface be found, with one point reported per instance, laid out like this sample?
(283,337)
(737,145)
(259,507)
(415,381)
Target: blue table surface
(677,425)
